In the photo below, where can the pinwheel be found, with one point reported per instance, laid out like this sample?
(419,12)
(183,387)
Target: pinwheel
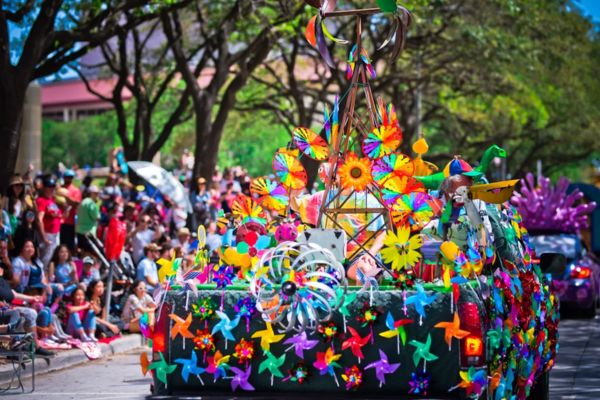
(355,173)
(162,369)
(246,308)
(223,276)
(382,367)
(472,381)
(401,248)
(190,367)
(272,364)
(352,377)
(355,343)
(420,300)
(204,309)
(403,280)
(316,30)
(396,328)
(267,337)
(390,167)
(381,141)
(422,351)
(329,331)
(204,341)
(353,59)
(452,329)
(368,316)
(217,365)
(311,144)
(244,350)
(332,124)
(167,268)
(347,300)
(400,28)
(248,210)
(181,327)
(326,362)
(495,335)
(289,171)
(419,382)
(399,186)
(412,210)
(145,327)
(300,343)
(241,378)
(225,326)
(386,113)
(298,373)
(144,363)
(187,282)
(269,193)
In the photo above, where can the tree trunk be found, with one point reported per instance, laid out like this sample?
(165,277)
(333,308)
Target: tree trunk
(12,100)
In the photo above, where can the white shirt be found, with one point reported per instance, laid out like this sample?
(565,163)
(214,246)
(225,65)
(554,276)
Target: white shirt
(185,246)
(139,241)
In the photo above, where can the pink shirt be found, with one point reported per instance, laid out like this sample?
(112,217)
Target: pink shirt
(82,313)
(52,214)
(75,194)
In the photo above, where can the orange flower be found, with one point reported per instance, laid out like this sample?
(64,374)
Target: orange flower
(355,173)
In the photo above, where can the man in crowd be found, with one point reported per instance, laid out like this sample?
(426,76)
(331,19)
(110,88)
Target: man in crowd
(142,236)
(49,216)
(73,196)
(182,239)
(88,215)
(147,270)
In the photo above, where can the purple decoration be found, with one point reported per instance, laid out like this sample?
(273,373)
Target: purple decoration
(549,207)
(300,343)
(382,367)
(241,379)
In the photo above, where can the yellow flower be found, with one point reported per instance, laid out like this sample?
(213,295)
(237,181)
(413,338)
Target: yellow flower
(401,249)
(355,174)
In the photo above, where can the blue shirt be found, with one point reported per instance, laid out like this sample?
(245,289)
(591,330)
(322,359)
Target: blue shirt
(147,268)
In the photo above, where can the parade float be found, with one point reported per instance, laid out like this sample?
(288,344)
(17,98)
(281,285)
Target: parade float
(451,303)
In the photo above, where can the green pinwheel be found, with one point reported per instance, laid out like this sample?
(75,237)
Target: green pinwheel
(162,369)
(506,337)
(348,299)
(495,335)
(422,351)
(272,364)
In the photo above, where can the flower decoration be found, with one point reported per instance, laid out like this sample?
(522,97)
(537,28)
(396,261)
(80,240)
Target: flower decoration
(403,280)
(204,309)
(472,381)
(355,173)
(241,379)
(217,365)
(353,377)
(329,331)
(204,341)
(244,350)
(419,382)
(246,308)
(401,248)
(382,367)
(298,373)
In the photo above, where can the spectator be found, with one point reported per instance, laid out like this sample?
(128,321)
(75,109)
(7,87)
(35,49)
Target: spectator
(227,198)
(111,190)
(138,303)
(49,216)
(18,200)
(5,226)
(63,269)
(175,218)
(146,269)
(166,251)
(228,179)
(200,199)
(95,295)
(182,239)
(29,229)
(88,273)
(215,203)
(81,320)
(188,263)
(142,236)
(119,164)
(85,185)
(6,264)
(73,196)
(178,250)
(213,239)
(88,216)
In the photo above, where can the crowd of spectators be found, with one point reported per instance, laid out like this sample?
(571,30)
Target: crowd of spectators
(52,231)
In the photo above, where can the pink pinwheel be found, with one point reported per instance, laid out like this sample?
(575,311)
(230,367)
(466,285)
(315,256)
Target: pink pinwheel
(326,362)
(241,379)
(382,367)
(300,343)
(355,343)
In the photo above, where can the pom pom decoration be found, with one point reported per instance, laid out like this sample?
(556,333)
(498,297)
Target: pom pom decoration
(329,331)
(204,309)
(204,341)
(403,280)
(353,377)
(368,316)
(355,173)
(298,373)
(419,382)
(244,350)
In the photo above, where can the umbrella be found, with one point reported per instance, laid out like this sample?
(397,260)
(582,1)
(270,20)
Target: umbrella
(163,181)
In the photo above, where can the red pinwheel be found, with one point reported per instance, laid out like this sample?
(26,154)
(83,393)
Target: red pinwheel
(355,343)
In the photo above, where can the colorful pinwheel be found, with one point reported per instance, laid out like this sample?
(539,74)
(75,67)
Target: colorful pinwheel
(225,326)
(348,299)
(472,381)
(311,144)
(248,210)
(390,167)
(382,367)
(401,249)
(300,343)
(272,364)
(316,30)
(298,373)
(267,337)
(452,329)
(241,378)
(204,309)
(352,377)
(326,362)
(353,59)
(420,300)
(495,335)
(401,185)
(381,141)
(204,341)
(422,351)
(269,193)
(223,276)
(412,210)
(190,367)
(217,365)
(355,343)
(162,369)
(145,327)
(246,308)
(289,171)
(419,382)
(396,328)
(332,124)
(181,327)
(144,363)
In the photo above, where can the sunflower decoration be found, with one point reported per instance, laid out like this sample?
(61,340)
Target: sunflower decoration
(355,173)
(401,249)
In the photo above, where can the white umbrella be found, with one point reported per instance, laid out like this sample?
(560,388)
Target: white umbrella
(163,181)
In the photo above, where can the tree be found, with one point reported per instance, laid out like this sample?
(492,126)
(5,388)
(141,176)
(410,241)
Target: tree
(55,33)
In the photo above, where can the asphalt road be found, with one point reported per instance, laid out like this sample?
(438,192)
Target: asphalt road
(576,374)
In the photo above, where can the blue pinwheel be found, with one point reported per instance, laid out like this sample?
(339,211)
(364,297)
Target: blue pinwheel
(225,326)
(420,299)
(190,367)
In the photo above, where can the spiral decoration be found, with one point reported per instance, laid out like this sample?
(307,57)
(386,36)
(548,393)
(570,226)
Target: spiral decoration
(297,285)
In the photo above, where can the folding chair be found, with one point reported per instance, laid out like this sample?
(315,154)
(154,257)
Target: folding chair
(16,358)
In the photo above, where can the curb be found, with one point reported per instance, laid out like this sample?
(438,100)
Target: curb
(69,358)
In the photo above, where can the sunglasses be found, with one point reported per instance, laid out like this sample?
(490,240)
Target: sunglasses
(30,214)
(141,288)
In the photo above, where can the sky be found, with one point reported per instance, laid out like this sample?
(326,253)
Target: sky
(592,8)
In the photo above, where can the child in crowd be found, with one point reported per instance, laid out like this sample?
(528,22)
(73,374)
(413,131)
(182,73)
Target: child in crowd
(95,295)
(81,322)
(138,303)
(63,269)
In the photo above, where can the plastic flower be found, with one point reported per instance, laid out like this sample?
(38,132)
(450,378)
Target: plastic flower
(204,340)
(298,373)
(352,377)
(403,280)
(401,249)
(419,382)
(244,350)
(329,331)
(204,309)
(368,314)
(355,173)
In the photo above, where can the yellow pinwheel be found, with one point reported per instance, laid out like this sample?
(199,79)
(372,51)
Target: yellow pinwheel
(401,248)
(267,337)
(166,268)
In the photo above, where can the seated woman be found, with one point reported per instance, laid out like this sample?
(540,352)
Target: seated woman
(138,303)
(95,293)
(63,269)
(81,320)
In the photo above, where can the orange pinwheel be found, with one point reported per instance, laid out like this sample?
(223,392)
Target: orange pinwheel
(452,330)
(181,327)
(144,363)
(355,343)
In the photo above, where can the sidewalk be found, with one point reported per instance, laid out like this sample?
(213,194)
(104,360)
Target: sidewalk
(69,358)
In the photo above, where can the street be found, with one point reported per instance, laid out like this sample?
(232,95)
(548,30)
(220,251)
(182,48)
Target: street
(575,375)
